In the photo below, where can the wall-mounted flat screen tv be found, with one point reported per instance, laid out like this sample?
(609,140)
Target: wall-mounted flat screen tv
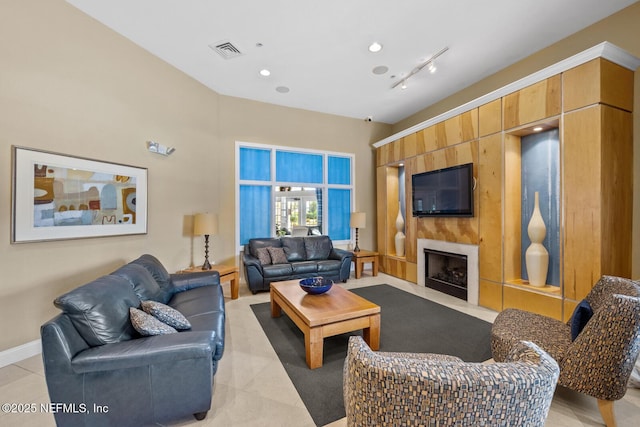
(443,192)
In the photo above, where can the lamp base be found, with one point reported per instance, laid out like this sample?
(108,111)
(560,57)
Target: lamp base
(206,265)
(357,248)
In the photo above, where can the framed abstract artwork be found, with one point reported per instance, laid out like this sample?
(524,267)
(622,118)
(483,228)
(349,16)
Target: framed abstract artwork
(57,196)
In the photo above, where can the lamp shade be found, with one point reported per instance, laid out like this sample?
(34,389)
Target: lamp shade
(205,224)
(358,220)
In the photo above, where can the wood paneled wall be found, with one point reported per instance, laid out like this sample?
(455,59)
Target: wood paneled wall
(592,106)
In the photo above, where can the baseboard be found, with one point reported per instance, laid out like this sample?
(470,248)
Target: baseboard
(21,352)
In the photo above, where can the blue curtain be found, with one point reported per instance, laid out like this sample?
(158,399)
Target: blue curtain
(255,164)
(255,212)
(299,167)
(339,210)
(339,170)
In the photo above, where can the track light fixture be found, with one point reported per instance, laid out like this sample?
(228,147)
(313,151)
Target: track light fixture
(429,63)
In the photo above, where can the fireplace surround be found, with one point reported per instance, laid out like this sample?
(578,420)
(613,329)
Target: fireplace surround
(469,251)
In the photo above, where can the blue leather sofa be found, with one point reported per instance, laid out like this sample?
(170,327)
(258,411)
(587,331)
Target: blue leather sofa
(94,359)
(308,256)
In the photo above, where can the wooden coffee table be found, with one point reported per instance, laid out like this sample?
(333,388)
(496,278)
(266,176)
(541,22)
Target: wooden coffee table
(332,313)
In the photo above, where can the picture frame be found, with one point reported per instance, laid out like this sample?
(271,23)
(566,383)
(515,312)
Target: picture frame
(58,196)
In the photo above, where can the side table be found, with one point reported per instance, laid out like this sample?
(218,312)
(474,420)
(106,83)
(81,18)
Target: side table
(228,273)
(362,257)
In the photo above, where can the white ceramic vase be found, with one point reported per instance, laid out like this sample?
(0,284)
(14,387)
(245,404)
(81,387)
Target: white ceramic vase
(536,256)
(400,237)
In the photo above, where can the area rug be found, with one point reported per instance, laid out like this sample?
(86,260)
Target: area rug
(408,323)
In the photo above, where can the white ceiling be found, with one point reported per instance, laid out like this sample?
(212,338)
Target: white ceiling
(319,49)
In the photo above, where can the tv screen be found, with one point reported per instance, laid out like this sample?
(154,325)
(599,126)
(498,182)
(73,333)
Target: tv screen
(443,192)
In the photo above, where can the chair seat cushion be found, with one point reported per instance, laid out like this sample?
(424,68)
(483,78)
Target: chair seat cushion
(512,326)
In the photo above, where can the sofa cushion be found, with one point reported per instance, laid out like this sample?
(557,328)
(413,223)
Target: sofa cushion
(304,267)
(317,247)
(263,256)
(277,270)
(294,248)
(99,310)
(204,308)
(147,325)
(329,265)
(142,282)
(159,273)
(165,314)
(277,256)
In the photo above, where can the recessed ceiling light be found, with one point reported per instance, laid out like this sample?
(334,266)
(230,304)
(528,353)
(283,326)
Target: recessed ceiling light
(264,72)
(375,47)
(282,89)
(380,69)
(537,128)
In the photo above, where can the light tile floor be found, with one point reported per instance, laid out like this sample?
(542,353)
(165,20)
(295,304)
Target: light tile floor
(253,389)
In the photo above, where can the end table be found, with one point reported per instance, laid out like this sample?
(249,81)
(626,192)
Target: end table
(362,257)
(228,273)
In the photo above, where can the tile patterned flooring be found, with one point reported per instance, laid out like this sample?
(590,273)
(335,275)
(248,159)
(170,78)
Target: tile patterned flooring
(253,389)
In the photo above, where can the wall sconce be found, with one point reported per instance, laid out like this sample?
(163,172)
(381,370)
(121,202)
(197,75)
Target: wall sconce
(358,220)
(205,224)
(155,147)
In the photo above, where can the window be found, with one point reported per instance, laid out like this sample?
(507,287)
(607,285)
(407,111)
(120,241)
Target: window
(285,191)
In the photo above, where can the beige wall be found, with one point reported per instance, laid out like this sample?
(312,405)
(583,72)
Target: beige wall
(621,29)
(70,85)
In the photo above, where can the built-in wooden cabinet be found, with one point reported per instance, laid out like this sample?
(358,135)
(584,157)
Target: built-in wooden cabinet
(591,106)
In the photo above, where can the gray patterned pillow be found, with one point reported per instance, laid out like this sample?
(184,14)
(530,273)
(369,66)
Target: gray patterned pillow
(166,314)
(148,325)
(277,255)
(263,256)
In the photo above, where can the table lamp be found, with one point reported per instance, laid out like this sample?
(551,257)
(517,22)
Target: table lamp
(205,224)
(358,220)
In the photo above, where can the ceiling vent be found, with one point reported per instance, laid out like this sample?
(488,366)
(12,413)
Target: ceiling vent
(226,49)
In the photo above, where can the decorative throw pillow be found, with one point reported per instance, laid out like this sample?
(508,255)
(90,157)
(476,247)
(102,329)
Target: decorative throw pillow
(277,256)
(166,314)
(263,256)
(148,325)
(581,316)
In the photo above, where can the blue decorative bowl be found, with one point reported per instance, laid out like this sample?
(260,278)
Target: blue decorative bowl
(316,285)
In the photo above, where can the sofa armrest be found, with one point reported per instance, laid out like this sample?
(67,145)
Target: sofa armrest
(144,352)
(251,262)
(340,254)
(185,281)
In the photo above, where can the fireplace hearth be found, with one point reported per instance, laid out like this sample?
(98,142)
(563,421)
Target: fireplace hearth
(446,272)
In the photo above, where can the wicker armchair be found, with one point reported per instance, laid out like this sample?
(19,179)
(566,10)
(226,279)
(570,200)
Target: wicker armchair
(601,358)
(409,389)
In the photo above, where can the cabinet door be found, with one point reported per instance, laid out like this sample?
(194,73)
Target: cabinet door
(582,201)
(489,192)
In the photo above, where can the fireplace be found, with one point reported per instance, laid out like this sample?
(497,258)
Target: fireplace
(460,249)
(446,272)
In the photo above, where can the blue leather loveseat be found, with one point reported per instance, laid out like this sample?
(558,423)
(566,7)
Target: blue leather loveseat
(95,360)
